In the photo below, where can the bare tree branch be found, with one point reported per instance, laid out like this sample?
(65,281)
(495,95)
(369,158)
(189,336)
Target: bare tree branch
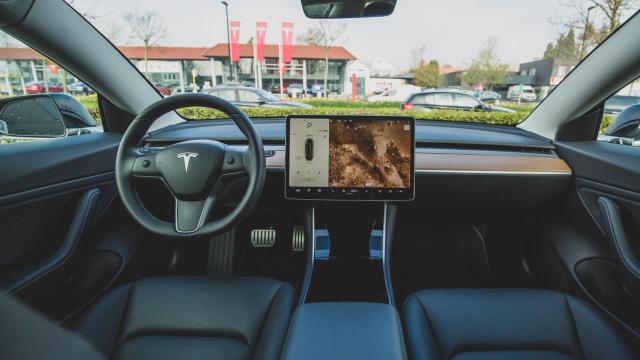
(148,28)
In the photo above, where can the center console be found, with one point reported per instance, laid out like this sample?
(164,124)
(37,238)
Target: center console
(345,330)
(351,170)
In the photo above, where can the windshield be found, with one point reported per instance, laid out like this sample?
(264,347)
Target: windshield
(503,52)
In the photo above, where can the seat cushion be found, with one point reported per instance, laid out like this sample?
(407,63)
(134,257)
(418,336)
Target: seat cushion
(191,318)
(508,324)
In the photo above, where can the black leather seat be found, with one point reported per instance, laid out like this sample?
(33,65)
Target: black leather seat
(163,318)
(509,324)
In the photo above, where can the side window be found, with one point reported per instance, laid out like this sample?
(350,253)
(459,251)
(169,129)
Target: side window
(34,85)
(227,94)
(465,101)
(248,96)
(419,99)
(621,119)
(443,99)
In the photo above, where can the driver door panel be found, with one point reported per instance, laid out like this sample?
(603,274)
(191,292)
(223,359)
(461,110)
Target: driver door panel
(52,194)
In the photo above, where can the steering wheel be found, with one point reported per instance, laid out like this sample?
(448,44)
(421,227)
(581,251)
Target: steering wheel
(195,172)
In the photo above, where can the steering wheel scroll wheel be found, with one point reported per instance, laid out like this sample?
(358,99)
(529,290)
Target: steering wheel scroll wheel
(195,172)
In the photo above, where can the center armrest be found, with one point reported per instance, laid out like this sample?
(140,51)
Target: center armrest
(345,330)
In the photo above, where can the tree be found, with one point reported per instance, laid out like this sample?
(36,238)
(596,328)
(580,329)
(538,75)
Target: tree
(487,68)
(603,20)
(325,34)
(565,47)
(427,74)
(148,28)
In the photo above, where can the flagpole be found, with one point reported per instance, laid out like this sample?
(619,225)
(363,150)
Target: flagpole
(255,64)
(280,71)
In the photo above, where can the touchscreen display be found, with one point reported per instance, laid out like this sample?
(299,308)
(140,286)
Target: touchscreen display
(342,157)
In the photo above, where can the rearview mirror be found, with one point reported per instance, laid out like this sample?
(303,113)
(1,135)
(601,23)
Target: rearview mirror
(335,9)
(31,116)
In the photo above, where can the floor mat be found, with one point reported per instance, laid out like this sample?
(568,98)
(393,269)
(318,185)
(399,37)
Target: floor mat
(221,249)
(429,254)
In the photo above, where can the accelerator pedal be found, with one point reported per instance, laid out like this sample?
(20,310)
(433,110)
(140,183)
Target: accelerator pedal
(263,238)
(297,242)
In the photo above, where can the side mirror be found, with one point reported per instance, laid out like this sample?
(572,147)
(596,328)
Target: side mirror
(261,102)
(31,116)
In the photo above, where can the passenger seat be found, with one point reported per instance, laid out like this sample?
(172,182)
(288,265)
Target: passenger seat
(465,324)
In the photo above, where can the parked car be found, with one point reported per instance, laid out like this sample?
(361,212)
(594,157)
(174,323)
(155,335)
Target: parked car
(488,96)
(37,87)
(395,94)
(241,95)
(164,90)
(77,119)
(448,99)
(521,93)
(79,87)
(625,128)
(297,90)
(619,103)
(317,90)
(275,88)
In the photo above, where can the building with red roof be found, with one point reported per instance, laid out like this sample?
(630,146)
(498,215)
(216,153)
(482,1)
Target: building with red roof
(178,67)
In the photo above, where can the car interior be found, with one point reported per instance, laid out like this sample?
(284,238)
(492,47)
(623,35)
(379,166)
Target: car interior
(257,238)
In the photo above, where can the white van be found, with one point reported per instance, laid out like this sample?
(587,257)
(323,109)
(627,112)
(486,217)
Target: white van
(395,94)
(522,93)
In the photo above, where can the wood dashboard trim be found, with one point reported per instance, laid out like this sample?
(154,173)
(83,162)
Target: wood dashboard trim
(470,164)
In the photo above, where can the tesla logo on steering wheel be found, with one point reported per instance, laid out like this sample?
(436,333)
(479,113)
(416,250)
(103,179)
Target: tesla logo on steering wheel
(186,156)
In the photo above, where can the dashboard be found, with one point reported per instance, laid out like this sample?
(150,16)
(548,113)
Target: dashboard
(459,168)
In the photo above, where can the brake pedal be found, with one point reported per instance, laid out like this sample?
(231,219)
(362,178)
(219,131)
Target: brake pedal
(263,238)
(297,243)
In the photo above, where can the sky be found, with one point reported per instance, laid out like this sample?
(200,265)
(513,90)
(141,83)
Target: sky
(451,30)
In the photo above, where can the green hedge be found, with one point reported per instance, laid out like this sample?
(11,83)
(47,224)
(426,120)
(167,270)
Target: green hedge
(445,115)
(348,107)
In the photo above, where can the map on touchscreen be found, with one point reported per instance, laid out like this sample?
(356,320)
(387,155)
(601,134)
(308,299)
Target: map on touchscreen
(350,153)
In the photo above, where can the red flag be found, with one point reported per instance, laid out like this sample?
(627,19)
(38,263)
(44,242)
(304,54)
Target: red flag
(287,41)
(234,27)
(261,33)
(53,69)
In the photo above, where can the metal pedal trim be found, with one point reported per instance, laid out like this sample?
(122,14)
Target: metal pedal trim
(297,241)
(263,238)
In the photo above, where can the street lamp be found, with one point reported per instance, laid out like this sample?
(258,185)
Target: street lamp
(584,33)
(226,10)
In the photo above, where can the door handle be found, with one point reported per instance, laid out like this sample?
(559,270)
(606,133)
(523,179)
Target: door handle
(627,261)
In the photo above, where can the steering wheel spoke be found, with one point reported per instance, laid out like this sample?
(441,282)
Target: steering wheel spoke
(234,163)
(191,215)
(145,166)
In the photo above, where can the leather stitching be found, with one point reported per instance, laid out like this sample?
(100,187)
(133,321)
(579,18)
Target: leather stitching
(120,334)
(262,326)
(575,326)
(433,331)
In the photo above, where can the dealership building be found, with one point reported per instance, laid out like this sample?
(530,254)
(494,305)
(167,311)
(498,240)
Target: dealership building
(179,67)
